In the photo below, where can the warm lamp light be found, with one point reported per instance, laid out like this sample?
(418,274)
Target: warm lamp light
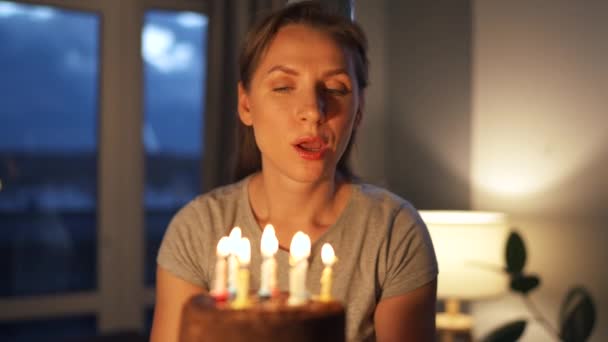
(470,251)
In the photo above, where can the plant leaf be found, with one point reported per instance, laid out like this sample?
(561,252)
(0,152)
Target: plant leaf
(524,283)
(509,332)
(577,315)
(515,253)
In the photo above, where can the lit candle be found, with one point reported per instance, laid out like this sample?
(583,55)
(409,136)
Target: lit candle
(269,246)
(219,286)
(244,257)
(233,264)
(299,251)
(329,258)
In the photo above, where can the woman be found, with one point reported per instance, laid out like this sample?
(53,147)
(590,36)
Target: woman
(302,80)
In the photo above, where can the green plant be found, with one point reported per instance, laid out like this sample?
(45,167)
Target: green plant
(577,313)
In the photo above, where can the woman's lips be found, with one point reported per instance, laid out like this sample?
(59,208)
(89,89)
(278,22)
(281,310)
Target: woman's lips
(310,154)
(310,148)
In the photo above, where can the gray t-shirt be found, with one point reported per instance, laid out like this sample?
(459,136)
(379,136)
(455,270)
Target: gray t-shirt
(382,245)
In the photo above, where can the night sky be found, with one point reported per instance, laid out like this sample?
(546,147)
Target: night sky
(49,62)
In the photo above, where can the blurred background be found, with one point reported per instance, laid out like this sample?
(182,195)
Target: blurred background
(113,114)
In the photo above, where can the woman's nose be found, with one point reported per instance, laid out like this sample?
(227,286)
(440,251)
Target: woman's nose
(313,107)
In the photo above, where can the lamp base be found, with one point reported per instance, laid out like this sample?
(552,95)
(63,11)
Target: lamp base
(453,322)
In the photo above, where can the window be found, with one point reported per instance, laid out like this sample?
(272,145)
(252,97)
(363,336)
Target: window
(67,328)
(48,149)
(100,143)
(173,50)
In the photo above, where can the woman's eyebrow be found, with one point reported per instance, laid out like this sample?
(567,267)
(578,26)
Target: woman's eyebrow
(337,71)
(284,69)
(294,72)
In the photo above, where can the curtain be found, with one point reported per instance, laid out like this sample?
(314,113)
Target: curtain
(229,21)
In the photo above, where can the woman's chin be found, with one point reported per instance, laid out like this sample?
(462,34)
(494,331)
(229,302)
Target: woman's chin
(312,174)
(302,171)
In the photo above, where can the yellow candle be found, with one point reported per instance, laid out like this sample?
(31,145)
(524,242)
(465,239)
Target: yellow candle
(299,251)
(244,257)
(219,286)
(329,258)
(269,246)
(233,264)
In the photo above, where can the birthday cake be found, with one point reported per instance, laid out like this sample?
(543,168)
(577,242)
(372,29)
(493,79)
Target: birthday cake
(205,319)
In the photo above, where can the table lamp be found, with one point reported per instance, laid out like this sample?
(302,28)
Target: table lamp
(470,249)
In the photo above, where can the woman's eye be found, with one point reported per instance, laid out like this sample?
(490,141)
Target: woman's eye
(281,89)
(337,91)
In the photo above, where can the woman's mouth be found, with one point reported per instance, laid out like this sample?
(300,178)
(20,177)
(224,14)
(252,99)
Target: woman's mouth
(310,148)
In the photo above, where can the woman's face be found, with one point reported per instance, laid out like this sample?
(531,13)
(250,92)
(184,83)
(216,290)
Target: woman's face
(303,102)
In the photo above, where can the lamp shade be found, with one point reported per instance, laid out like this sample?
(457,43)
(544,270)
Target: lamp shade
(470,251)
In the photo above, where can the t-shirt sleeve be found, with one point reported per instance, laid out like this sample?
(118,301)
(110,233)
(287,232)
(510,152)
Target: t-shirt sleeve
(410,261)
(181,252)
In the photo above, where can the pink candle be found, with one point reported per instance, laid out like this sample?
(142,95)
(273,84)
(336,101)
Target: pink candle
(219,286)
(233,264)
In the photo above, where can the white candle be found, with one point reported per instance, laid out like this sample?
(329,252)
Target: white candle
(269,246)
(299,251)
(219,286)
(233,264)
(329,258)
(244,257)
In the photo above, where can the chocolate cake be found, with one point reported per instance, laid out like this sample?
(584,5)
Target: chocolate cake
(205,319)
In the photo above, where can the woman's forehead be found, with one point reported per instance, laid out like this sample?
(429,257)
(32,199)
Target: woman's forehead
(303,46)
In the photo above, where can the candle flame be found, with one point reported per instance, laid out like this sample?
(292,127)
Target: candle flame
(236,234)
(243,251)
(300,246)
(223,247)
(234,238)
(269,244)
(327,254)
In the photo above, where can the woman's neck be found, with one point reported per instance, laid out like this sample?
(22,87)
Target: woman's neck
(291,206)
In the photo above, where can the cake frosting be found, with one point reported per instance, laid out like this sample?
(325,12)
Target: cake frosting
(205,319)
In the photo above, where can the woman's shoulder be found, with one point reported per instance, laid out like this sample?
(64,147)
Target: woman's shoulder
(223,200)
(375,196)
(220,195)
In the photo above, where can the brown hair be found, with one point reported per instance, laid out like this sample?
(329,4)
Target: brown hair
(345,32)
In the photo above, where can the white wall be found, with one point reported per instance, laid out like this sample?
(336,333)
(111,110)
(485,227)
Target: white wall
(369,155)
(540,144)
(537,132)
(427,65)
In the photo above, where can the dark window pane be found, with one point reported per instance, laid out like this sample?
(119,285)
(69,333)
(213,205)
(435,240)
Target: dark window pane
(58,329)
(174,53)
(48,149)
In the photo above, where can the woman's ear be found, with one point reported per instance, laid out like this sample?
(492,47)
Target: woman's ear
(243,106)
